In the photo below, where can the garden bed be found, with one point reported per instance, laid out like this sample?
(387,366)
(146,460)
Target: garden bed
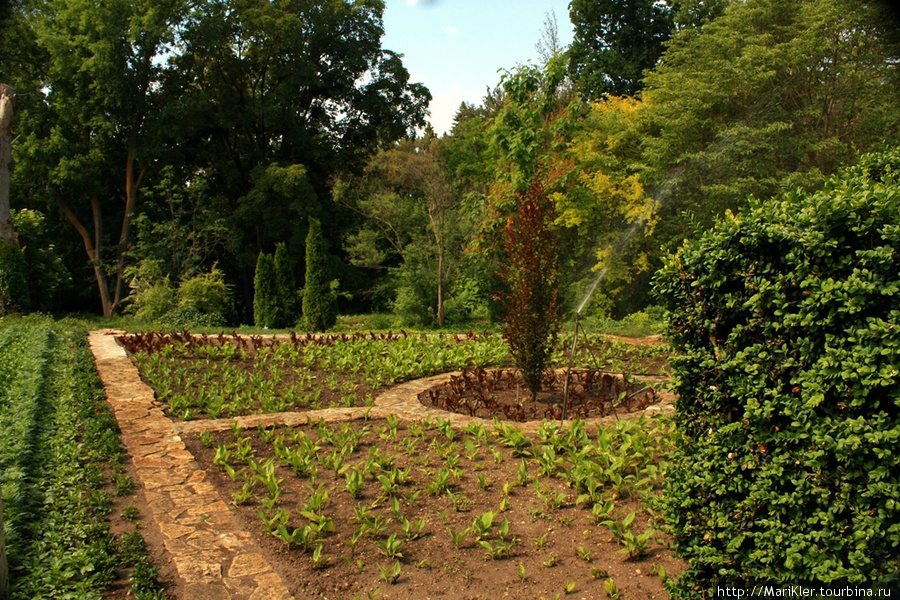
(422,510)
(564,394)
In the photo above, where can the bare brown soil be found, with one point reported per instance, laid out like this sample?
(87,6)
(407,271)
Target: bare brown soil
(555,545)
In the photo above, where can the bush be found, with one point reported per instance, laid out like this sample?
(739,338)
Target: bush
(787,321)
(265,291)
(13,280)
(319,293)
(206,293)
(151,295)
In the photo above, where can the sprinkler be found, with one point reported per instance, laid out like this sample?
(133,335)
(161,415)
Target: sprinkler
(565,410)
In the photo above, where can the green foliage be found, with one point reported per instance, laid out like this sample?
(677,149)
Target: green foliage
(59,436)
(14,295)
(615,42)
(265,291)
(207,293)
(152,295)
(50,280)
(766,91)
(531,273)
(288,308)
(787,319)
(319,293)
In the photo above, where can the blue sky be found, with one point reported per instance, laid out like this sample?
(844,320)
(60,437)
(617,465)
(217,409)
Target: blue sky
(456,47)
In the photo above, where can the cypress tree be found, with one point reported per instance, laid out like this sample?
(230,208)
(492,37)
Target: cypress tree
(264,291)
(319,311)
(287,305)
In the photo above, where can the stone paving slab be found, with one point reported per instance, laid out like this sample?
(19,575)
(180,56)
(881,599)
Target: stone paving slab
(213,555)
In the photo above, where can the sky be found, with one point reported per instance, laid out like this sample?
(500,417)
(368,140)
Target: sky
(457,47)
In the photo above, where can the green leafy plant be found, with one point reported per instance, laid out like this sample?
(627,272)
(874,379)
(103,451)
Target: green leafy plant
(785,318)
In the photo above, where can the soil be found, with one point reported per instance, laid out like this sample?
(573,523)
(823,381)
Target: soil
(544,539)
(587,394)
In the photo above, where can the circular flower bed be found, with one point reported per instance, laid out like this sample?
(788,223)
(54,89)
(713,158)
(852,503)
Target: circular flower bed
(501,393)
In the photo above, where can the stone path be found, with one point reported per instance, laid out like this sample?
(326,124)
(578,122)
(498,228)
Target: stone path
(212,553)
(214,556)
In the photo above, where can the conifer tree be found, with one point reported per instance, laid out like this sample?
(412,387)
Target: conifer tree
(287,305)
(319,311)
(264,291)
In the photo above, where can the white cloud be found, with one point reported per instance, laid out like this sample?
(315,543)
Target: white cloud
(451,30)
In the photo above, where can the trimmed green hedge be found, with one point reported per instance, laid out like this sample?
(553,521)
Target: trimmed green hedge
(786,318)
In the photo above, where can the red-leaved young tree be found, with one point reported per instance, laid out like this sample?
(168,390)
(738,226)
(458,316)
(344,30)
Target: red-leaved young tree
(531,275)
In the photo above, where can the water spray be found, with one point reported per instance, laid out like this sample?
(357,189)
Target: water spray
(620,246)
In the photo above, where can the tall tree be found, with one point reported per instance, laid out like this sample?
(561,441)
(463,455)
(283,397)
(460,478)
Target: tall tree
(279,87)
(92,134)
(414,222)
(768,91)
(319,295)
(615,42)
(7,102)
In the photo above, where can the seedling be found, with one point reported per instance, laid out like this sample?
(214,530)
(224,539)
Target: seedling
(459,538)
(319,561)
(570,587)
(521,570)
(584,554)
(598,573)
(391,546)
(611,589)
(391,574)
(551,561)
(541,542)
(483,482)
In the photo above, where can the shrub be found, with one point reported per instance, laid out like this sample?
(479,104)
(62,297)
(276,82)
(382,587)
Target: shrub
(531,274)
(206,293)
(319,293)
(151,295)
(265,291)
(787,321)
(13,280)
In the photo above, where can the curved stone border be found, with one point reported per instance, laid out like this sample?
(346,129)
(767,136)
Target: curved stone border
(214,556)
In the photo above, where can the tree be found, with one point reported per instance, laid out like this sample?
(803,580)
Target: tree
(280,89)
(615,42)
(608,209)
(531,274)
(265,291)
(771,90)
(319,309)
(95,116)
(7,102)
(287,308)
(414,224)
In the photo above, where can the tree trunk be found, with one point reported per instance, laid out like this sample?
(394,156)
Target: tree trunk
(92,249)
(132,184)
(7,102)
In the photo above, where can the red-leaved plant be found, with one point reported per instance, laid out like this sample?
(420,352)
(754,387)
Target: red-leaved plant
(531,275)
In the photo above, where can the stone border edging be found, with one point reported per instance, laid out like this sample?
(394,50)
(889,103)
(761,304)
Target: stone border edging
(214,556)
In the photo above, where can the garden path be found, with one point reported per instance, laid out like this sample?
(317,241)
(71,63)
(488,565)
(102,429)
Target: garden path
(213,555)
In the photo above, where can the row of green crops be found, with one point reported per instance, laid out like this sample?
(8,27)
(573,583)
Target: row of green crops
(58,438)
(401,481)
(225,376)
